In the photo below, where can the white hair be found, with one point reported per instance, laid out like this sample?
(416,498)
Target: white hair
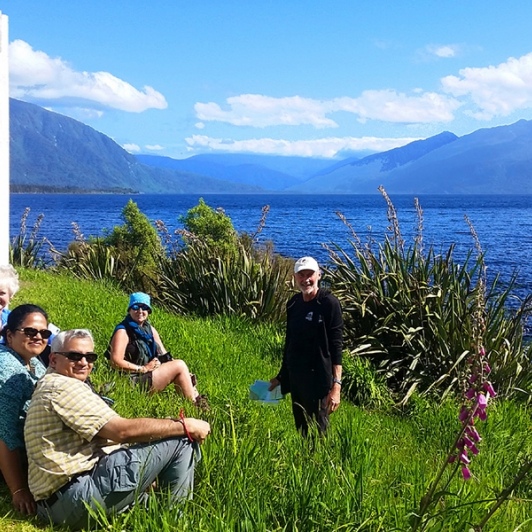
(62,338)
(9,279)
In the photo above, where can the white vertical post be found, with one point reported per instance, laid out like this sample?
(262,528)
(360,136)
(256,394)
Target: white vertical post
(4,141)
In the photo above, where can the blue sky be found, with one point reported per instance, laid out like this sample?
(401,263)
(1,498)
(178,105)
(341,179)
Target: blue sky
(290,77)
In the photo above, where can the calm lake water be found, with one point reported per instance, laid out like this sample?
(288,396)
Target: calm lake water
(299,224)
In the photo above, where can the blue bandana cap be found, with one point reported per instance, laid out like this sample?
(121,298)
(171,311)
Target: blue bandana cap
(139,298)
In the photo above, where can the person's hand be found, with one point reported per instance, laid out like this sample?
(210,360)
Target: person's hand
(333,399)
(197,428)
(152,364)
(24,502)
(273,384)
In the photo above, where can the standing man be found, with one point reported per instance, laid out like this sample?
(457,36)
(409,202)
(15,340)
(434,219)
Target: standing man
(312,361)
(74,442)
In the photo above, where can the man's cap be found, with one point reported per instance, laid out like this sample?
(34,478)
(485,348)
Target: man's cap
(139,298)
(306,263)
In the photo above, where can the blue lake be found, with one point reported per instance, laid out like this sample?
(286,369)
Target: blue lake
(299,224)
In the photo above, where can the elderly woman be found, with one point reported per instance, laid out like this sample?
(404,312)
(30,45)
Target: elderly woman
(25,334)
(9,286)
(136,348)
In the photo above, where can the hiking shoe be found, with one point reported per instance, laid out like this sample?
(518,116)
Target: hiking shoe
(202,403)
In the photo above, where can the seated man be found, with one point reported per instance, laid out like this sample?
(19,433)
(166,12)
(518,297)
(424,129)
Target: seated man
(74,443)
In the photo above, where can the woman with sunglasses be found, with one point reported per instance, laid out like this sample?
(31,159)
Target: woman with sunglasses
(26,336)
(136,348)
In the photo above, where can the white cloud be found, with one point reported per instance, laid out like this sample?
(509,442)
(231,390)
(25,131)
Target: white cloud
(391,106)
(495,90)
(325,147)
(131,148)
(34,76)
(256,110)
(154,147)
(443,51)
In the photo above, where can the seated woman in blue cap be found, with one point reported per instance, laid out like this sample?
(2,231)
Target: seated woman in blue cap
(136,348)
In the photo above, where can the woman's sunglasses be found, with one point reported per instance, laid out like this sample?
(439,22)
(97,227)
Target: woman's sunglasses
(74,356)
(140,307)
(31,332)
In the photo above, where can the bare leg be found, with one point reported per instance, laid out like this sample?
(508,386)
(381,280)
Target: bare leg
(175,371)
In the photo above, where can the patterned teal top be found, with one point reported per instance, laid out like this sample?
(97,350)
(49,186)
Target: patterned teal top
(16,387)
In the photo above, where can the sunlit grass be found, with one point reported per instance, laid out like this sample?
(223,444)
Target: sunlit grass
(257,473)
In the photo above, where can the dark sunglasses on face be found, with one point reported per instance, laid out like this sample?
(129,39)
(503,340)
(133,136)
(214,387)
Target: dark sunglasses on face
(74,356)
(140,307)
(31,332)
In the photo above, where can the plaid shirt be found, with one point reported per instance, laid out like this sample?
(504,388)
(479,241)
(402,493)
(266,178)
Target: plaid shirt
(61,430)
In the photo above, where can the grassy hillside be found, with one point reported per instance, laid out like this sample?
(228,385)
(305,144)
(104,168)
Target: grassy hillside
(257,474)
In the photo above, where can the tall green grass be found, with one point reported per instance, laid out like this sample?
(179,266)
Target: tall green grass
(257,473)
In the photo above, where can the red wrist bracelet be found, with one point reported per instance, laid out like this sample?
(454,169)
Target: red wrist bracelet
(182,420)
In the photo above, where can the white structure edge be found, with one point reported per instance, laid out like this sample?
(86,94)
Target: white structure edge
(4,140)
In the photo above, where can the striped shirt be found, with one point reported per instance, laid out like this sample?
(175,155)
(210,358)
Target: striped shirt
(61,430)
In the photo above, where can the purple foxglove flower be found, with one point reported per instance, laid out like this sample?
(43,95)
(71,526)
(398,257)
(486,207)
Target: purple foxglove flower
(464,458)
(482,351)
(486,368)
(473,378)
(464,414)
(474,449)
(489,389)
(470,393)
(482,415)
(473,434)
(482,401)
(467,442)
(451,459)
(466,473)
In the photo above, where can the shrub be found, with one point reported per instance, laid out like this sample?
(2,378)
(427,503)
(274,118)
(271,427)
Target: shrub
(128,255)
(361,384)
(211,226)
(139,247)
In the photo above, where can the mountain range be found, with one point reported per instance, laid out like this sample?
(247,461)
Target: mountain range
(54,153)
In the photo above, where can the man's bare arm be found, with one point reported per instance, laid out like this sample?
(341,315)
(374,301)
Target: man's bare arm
(123,430)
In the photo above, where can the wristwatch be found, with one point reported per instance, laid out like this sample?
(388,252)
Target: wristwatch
(337,381)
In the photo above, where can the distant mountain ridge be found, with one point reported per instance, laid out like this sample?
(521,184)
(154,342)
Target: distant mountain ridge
(51,152)
(256,170)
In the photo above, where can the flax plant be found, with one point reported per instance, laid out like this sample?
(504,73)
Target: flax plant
(211,270)
(196,280)
(26,250)
(408,309)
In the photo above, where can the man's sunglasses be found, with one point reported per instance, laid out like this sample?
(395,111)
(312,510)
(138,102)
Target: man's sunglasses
(140,307)
(74,356)
(31,332)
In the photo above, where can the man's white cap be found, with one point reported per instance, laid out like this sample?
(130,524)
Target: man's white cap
(306,263)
